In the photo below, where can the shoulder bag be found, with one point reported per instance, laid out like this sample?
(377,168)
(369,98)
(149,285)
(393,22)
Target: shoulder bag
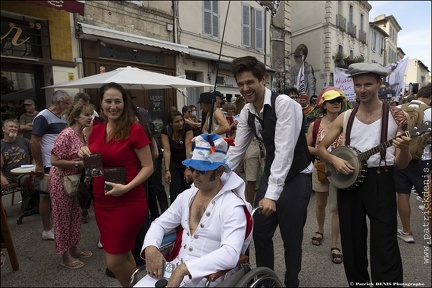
(70,183)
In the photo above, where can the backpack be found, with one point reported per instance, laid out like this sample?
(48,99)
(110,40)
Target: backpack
(416,115)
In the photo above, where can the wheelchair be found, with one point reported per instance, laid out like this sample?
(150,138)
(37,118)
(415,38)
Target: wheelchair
(244,277)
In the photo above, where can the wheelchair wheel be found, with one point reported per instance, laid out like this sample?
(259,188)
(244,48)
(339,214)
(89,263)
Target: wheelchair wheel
(260,277)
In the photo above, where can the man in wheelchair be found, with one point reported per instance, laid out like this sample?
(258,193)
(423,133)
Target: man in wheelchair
(212,218)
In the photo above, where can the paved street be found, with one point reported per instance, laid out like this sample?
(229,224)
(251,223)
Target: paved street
(40,266)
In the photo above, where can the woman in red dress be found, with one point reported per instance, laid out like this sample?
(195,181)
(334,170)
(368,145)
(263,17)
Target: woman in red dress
(121,211)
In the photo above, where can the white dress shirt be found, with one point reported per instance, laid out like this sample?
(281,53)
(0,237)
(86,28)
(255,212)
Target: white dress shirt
(289,123)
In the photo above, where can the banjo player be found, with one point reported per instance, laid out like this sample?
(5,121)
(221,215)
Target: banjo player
(375,197)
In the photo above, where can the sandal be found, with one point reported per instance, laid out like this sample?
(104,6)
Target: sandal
(83,254)
(317,240)
(76,264)
(337,258)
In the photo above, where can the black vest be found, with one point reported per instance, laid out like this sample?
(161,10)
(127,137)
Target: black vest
(302,157)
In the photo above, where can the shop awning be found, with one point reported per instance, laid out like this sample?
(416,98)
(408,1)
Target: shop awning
(208,55)
(118,35)
(72,6)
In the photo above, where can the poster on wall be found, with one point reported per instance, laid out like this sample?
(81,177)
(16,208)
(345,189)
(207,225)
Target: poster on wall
(156,108)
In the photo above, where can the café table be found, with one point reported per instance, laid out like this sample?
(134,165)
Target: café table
(27,169)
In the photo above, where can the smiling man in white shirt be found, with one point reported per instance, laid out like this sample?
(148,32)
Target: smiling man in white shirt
(285,186)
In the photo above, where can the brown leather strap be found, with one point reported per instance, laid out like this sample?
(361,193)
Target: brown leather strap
(349,126)
(384,124)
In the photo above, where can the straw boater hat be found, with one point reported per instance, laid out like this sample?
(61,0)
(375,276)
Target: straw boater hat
(210,152)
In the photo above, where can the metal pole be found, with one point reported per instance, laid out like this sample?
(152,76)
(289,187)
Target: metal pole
(217,71)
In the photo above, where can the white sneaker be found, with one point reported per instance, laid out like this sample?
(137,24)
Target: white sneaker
(48,235)
(407,237)
(419,198)
(421,207)
(100,245)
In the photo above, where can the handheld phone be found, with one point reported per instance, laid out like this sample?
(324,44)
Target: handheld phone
(168,269)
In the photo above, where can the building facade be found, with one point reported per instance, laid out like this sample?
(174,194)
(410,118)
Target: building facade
(417,73)
(38,49)
(332,31)
(377,44)
(392,28)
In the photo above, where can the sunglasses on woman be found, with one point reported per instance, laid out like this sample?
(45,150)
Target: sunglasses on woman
(338,100)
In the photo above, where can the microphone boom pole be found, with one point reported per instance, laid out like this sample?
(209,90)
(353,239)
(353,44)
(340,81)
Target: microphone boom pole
(217,71)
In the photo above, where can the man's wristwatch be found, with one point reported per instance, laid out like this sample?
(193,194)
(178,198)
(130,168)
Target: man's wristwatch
(76,164)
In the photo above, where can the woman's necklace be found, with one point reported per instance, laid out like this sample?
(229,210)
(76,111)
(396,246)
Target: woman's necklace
(178,137)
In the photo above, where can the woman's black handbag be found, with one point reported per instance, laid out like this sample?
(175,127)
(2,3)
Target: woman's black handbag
(85,191)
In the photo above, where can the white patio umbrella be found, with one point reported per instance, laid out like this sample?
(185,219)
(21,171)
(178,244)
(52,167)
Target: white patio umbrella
(131,78)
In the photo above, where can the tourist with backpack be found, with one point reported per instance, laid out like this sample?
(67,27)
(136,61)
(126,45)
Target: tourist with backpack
(415,174)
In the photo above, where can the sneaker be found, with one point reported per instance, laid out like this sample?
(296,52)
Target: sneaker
(419,198)
(421,207)
(48,235)
(407,237)
(85,217)
(100,245)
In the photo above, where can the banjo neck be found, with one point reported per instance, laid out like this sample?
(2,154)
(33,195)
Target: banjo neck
(413,133)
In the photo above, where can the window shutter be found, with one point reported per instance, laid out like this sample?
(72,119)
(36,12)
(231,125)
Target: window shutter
(259,31)
(207,17)
(215,18)
(246,27)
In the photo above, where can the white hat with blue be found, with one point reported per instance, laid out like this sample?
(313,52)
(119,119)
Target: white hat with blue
(210,153)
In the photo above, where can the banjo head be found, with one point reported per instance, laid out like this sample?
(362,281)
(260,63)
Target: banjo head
(342,181)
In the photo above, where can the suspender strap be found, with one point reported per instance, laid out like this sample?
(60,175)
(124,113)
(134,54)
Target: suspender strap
(384,124)
(349,126)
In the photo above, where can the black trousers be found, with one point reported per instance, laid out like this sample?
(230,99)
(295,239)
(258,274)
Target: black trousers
(291,214)
(178,183)
(375,198)
(156,193)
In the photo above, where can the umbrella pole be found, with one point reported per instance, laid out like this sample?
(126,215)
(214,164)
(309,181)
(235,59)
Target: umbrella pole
(210,126)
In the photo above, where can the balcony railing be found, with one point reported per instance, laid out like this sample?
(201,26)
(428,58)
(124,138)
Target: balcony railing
(341,22)
(362,36)
(352,29)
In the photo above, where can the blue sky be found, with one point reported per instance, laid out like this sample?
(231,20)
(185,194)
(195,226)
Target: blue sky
(415,19)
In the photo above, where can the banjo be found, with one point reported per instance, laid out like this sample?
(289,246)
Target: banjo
(358,160)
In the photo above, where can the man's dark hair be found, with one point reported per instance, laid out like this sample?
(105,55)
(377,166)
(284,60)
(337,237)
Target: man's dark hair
(248,64)
(287,91)
(81,95)
(424,92)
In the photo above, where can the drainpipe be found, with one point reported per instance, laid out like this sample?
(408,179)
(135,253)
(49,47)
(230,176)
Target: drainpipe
(174,7)
(265,38)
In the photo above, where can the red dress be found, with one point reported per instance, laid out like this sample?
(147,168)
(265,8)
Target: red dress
(119,218)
